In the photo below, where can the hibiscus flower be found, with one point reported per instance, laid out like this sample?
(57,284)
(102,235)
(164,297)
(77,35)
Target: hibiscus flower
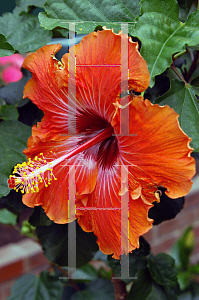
(151,152)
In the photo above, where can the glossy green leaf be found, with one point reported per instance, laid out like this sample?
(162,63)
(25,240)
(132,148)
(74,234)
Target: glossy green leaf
(7,217)
(24,5)
(88,272)
(88,14)
(137,260)
(13,140)
(32,287)
(96,290)
(184,9)
(54,241)
(5,48)
(182,99)
(145,288)
(162,34)
(162,270)
(23,32)
(8,112)
(195,84)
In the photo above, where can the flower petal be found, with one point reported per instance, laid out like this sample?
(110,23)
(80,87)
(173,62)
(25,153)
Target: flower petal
(53,199)
(53,146)
(43,88)
(103,216)
(14,59)
(98,70)
(11,74)
(158,149)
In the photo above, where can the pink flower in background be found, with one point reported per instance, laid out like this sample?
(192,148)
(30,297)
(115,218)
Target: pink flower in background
(11,67)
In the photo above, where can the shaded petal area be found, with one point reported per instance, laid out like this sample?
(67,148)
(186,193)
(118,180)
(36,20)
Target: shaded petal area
(158,149)
(104,217)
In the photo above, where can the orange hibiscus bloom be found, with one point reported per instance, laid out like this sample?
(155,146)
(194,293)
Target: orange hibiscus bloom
(82,130)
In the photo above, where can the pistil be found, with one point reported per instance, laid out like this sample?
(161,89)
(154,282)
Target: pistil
(26,176)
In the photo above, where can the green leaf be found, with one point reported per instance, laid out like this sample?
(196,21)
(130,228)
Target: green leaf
(163,271)
(54,241)
(195,85)
(137,260)
(162,34)
(184,9)
(7,217)
(23,32)
(145,288)
(8,112)
(34,287)
(24,5)
(182,99)
(5,48)
(87,271)
(88,14)
(13,140)
(96,290)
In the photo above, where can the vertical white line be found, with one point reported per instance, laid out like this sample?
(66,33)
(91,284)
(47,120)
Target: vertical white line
(125,223)
(71,178)
(124,131)
(71,83)
(124,80)
(71,222)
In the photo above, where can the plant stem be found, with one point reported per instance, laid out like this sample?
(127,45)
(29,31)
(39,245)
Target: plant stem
(119,289)
(178,73)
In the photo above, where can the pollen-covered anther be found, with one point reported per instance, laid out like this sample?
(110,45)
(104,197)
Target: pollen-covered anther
(26,176)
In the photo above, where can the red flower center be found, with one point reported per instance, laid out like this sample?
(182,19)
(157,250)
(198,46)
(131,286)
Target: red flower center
(105,151)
